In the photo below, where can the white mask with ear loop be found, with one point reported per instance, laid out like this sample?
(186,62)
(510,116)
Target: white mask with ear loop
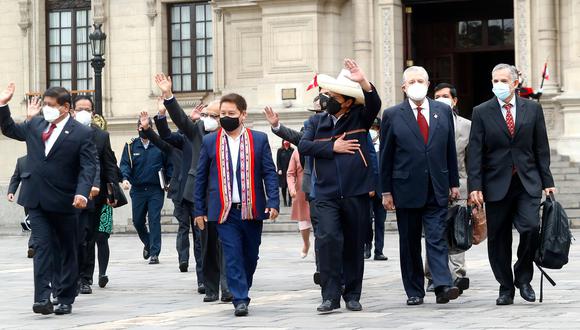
(84,118)
(445,100)
(50,113)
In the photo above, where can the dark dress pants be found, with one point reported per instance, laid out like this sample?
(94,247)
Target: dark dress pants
(183,211)
(314,221)
(241,241)
(55,231)
(213,261)
(147,204)
(520,209)
(379,216)
(411,222)
(342,225)
(87,260)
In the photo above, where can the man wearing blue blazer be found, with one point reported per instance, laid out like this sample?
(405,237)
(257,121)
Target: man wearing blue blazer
(419,175)
(235,173)
(62,163)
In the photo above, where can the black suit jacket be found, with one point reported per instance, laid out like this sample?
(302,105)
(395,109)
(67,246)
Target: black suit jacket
(107,163)
(175,155)
(493,153)
(69,169)
(16,177)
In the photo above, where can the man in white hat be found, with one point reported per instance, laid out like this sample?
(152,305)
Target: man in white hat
(337,142)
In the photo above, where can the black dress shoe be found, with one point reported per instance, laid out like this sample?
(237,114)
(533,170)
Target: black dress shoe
(201,288)
(183,267)
(145,253)
(30,253)
(414,301)
(44,307)
(430,286)
(103,280)
(328,306)
(446,293)
(62,309)
(154,260)
(241,310)
(367,251)
(354,306)
(527,292)
(462,283)
(504,299)
(210,297)
(316,278)
(85,288)
(227,296)
(381,257)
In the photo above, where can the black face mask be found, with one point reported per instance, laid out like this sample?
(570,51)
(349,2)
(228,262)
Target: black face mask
(333,106)
(142,135)
(229,123)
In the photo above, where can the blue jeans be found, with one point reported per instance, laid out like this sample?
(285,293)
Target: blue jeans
(147,203)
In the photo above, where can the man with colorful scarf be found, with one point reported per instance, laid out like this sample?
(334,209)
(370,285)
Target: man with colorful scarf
(235,173)
(337,141)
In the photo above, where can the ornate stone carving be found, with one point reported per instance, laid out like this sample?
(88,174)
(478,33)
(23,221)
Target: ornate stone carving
(151,9)
(388,55)
(523,60)
(98,11)
(24,8)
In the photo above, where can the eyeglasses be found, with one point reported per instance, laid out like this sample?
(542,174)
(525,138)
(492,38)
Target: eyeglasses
(211,115)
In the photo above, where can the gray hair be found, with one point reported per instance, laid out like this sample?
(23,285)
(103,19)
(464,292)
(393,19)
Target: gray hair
(415,68)
(512,69)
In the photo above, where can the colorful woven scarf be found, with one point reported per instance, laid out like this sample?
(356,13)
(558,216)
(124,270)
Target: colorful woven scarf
(246,177)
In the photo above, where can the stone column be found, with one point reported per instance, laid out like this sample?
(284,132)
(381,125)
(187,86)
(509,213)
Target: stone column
(548,43)
(389,28)
(362,34)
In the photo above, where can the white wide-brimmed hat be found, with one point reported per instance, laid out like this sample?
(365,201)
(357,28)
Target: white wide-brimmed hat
(342,85)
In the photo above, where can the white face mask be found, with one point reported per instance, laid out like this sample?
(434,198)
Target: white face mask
(417,91)
(50,113)
(209,124)
(446,100)
(84,118)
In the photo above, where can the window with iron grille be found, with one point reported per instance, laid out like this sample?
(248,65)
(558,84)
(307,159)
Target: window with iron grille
(190,47)
(68,45)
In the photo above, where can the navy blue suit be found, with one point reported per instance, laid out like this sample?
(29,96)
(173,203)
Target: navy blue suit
(240,238)
(379,213)
(49,186)
(419,177)
(342,183)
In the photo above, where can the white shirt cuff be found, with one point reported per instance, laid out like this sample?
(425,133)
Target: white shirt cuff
(277,128)
(83,197)
(169,99)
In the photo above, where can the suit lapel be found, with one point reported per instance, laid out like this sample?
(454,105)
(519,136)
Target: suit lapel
(433,121)
(521,114)
(497,116)
(409,118)
(66,130)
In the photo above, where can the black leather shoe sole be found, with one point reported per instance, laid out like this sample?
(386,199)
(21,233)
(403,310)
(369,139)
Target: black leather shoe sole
(354,306)
(462,283)
(210,298)
(325,308)
(380,257)
(504,301)
(201,289)
(316,278)
(63,309)
(154,260)
(183,267)
(447,295)
(43,308)
(227,297)
(241,310)
(145,253)
(30,253)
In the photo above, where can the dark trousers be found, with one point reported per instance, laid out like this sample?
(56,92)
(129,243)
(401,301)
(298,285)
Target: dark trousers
(411,222)
(214,271)
(378,218)
(87,252)
(314,221)
(342,224)
(241,243)
(147,203)
(55,231)
(521,210)
(183,213)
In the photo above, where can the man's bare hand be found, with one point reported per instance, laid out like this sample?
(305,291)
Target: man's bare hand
(343,146)
(11,197)
(94,192)
(164,83)
(79,202)
(372,194)
(200,221)
(6,95)
(272,116)
(273,213)
(144,120)
(196,112)
(552,190)
(454,194)
(292,193)
(33,107)
(388,202)
(161,110)
(356,74)
(126,185)
(476,197)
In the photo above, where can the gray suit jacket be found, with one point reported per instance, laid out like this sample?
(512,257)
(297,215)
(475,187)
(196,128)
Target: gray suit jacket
(462,129)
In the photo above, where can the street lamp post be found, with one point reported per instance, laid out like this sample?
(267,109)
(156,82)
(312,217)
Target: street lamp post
(97,38)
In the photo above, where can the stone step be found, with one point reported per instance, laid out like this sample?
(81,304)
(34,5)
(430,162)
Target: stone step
(572,177)
(565,170)
(555,164)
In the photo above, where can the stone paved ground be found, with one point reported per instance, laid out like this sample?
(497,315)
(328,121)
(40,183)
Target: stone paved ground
(151,297)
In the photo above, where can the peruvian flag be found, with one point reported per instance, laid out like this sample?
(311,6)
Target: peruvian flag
(313,83)
(545,73)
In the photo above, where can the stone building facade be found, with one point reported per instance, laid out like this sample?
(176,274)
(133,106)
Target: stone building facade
(269,51)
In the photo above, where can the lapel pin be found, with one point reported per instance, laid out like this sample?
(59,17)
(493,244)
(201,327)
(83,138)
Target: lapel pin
(435,116)
(65,132)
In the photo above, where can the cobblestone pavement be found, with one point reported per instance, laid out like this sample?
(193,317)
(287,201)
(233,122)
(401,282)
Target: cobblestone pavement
(146,296)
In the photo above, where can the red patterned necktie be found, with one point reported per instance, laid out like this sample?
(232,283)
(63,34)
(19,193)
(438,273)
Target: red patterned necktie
(423,126)
(46,135)
(509,119)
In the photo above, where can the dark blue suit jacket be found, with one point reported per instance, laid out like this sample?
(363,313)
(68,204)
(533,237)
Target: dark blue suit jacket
(206,180)
(407,163)
(51,182)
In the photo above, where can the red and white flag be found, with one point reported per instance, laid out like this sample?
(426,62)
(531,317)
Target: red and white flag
(313,83)
(545,73)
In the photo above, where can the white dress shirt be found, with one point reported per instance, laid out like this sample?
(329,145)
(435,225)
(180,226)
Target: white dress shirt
(424,109)
(512,110)
(57,130)
(234,146)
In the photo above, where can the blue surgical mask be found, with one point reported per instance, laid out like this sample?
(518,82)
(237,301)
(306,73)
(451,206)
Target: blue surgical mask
(501,90)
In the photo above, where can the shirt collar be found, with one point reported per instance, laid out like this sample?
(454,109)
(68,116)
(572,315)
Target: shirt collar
(61,123)
(235,139)
(512,102)
(424,105)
